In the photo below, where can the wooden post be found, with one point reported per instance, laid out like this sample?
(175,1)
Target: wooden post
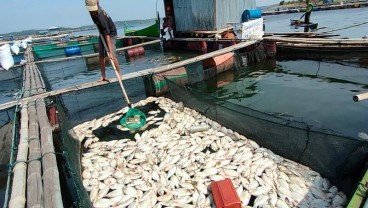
(18,195)
(34,180)
(51,183)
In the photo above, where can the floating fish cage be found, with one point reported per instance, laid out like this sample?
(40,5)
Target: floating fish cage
(191,139)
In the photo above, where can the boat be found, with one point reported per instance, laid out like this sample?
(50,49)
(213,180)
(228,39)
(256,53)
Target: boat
(294,10)
(65,49)
(150,31)
(300,23)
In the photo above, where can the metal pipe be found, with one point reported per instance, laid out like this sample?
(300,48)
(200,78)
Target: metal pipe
(360,97)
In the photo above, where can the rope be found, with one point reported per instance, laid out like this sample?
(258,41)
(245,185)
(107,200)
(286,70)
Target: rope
(343,28)
(12,165)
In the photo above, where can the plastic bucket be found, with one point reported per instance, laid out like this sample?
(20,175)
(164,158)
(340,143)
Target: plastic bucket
(251,14)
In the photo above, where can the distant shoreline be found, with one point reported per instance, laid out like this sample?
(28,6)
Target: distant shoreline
(292,8)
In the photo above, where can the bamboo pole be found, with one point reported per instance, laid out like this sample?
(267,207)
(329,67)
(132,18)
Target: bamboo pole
(324,47)
(38,79)
(360,97)
(43,86)
(18,195)
(33,81)
(27,82)
(318,41)
(134,74)
(34,179)
(51,183)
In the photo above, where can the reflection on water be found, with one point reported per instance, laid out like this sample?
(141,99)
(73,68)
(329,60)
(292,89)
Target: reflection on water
(319,93)
(328,21)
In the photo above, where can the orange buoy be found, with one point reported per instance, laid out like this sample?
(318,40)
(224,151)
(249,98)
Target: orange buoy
(127,41)
(53,118)
(203,47)
(270,48)
(134,52)
(197,46)
(178,75)
(218,64)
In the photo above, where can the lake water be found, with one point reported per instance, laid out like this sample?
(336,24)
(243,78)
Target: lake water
(316,91)
(330,20)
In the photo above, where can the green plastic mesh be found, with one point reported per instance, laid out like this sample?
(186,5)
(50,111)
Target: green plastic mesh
(133,119)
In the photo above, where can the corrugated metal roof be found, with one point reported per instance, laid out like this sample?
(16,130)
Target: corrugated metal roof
(208,14)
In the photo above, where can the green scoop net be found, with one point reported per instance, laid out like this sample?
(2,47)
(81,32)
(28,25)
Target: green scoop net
(133,119)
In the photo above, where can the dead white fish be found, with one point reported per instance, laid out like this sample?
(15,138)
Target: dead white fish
(125,203)
(281,204)
(165,197)
(115,193)
(105,175)
(154,112)
(102,203)
(94,193)
(260,200)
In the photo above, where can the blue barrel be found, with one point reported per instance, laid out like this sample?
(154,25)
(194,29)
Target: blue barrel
(251,14)
(72,50)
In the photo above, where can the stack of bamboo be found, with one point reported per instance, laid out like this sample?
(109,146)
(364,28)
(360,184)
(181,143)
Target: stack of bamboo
(41,178)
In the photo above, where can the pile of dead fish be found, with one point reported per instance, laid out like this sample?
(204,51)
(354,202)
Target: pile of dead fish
(174,164)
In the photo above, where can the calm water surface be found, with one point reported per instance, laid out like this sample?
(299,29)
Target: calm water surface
(330,20)
(315,92)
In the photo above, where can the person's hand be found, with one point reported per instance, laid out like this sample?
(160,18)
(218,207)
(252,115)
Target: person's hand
(111,56)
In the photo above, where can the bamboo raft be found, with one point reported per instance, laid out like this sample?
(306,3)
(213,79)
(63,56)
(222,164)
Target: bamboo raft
(36,177)
(320,44)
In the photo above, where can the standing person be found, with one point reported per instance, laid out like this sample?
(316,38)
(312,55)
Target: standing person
(108,30)
(170,20)
(308,11)
(164,25)
(170,23)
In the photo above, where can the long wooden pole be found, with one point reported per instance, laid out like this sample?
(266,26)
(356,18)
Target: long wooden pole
(51,183)
(18,195)
(118,76)
(34,179)
(318,41)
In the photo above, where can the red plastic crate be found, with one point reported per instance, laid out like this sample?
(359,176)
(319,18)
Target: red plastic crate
(224,194)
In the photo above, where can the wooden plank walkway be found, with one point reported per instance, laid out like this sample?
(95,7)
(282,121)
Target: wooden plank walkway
(36,177)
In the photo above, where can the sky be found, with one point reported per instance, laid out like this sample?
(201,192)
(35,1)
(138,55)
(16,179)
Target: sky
(19,15)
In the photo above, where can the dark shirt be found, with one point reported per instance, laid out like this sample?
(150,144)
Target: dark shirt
(104,23)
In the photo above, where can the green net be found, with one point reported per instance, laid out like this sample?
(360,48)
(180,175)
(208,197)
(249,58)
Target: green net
(134,119)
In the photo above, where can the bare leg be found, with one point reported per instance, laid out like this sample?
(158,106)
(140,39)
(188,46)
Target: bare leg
(102,67)
(116,62)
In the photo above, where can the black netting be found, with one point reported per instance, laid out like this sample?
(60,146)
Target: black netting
(71,164)
(84,105)
(324,150)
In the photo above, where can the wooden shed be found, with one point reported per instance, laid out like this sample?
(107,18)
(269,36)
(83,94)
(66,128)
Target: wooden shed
(205,15)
